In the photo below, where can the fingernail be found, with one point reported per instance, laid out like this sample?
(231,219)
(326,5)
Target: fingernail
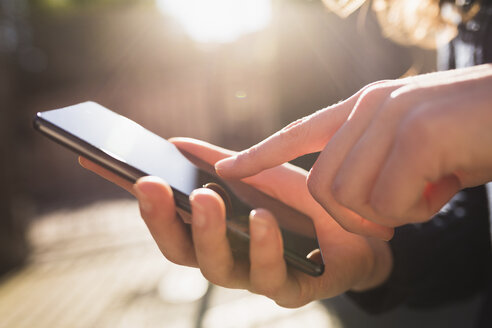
(198,213)
(259,225)
(225,164)
(143,195)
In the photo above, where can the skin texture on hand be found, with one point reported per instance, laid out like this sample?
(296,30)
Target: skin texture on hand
(394,153)
(351,261)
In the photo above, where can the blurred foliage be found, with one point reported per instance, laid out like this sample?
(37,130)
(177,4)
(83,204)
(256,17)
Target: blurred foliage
(67,4)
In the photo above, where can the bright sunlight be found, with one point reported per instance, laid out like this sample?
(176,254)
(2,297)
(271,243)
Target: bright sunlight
(218,21)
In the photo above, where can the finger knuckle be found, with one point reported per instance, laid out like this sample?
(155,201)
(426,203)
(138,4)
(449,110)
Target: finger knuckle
(340,194)
(414,133)
(314,185)
(291,304)
(218,274)
(382,206)
(304,297)
(373,86)
(374,94)
(345,224)
(388,214)
(212,277)
(176,259)
(247,154)
(269,290)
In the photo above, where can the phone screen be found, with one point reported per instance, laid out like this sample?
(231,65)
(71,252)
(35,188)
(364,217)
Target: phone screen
(131,151)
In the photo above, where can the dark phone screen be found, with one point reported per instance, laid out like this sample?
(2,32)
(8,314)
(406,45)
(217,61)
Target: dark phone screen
(130,145)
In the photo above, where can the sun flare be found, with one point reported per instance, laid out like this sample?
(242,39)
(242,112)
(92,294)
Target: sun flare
(218,21)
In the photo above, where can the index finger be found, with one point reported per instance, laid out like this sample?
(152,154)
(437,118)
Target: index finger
(304,136)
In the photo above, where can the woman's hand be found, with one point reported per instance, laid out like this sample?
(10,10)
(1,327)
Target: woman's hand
(393,153)
(351,261)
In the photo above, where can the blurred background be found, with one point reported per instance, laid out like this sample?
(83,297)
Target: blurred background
(73,251)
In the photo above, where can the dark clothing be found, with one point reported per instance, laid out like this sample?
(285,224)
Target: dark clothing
(440,261)
(473,45)
(448,258)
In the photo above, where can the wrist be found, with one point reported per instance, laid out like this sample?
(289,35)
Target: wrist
(380,266)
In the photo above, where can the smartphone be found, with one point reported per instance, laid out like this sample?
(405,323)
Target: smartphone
(131,151)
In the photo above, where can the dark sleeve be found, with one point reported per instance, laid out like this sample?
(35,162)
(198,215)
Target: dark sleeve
(440,261)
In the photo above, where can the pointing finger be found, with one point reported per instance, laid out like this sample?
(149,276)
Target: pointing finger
(304,136)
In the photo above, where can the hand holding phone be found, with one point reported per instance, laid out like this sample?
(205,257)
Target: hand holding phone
(351,259)
(131,151)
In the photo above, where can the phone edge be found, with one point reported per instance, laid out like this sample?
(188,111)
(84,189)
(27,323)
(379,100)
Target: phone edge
(131,174)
